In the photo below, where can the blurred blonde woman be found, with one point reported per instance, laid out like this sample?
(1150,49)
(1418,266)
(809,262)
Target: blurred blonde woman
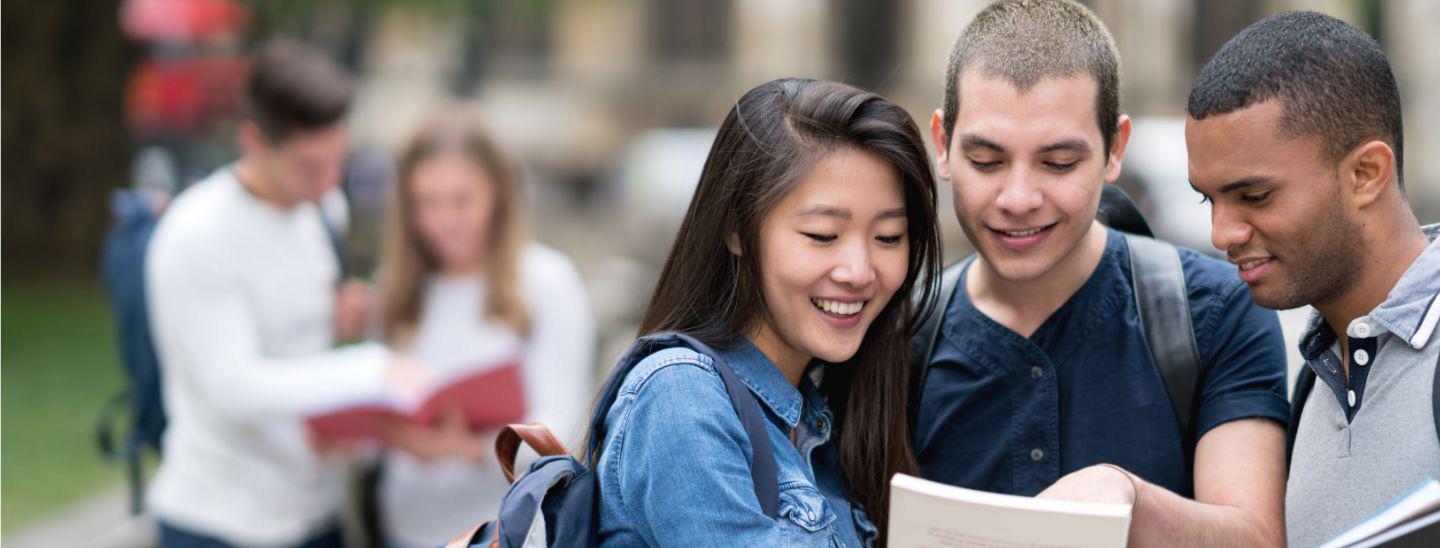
(464,290)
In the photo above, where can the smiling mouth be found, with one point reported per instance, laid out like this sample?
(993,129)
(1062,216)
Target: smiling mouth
(1024,233)
(838,308)
(1252,263)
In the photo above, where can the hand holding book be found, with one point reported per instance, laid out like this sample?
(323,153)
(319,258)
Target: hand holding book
(476,401)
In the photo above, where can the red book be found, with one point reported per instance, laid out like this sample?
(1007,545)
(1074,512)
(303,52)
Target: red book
(489,400)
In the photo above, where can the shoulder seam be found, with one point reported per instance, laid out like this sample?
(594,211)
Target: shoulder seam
(642,375)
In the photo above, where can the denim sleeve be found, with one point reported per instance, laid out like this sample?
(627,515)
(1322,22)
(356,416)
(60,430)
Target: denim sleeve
(684,465)
(1244,375)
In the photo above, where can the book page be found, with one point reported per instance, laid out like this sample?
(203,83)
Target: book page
(926,514)
(1423,499)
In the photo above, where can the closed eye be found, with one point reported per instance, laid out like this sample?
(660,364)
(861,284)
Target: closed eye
(822,238)
(890,240)
(1255,198)
(1061,168)
(984,166)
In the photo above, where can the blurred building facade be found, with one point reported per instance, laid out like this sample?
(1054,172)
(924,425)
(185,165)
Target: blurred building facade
(569,82)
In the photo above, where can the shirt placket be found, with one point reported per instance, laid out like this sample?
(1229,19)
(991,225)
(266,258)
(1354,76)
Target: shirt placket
(1038,445)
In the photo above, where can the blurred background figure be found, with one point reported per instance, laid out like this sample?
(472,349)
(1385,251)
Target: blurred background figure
(466,291)
(240,279)
(610,104)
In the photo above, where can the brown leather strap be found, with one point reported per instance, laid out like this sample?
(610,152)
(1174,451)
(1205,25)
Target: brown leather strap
(463,540)
(534,434)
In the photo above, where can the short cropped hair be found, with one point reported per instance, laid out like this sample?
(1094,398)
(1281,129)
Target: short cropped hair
(295,87)
(1334,80)
(1024,41)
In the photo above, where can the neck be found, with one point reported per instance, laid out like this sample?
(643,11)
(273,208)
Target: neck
(254,182)
(1388,257)
(787,359)
(461,270)
(1023,305)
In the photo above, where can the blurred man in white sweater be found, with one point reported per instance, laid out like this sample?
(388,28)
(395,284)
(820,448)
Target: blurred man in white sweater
(242,279)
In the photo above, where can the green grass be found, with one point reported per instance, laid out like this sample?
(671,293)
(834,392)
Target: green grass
(60,364)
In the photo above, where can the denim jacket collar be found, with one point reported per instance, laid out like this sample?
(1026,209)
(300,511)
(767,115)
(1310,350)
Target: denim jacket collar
(764,379)
(1410,312)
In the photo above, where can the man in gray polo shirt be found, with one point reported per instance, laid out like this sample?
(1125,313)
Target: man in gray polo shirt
(1294,136)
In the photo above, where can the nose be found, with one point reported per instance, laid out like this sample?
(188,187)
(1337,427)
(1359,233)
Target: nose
(1019,197)
(853,267)
(1226,230)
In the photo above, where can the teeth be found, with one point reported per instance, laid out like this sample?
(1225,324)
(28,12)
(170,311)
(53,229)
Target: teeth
(1023,233)
(1247,265)
(838,308)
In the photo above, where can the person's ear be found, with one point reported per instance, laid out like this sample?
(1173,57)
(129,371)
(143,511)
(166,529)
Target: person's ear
(732,241)
(250,138)
(942,145)
(1116,155)
(1367,171)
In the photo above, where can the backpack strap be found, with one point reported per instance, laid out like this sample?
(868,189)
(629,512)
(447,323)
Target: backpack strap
(1164,308)
(534,434)
(762,458)
(923,345)
(1304,383)
(1435,398)
(1118,211)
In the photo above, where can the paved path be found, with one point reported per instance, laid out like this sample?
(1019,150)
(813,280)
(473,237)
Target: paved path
(101,521)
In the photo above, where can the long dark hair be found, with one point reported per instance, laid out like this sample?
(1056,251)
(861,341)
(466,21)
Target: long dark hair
(772,137)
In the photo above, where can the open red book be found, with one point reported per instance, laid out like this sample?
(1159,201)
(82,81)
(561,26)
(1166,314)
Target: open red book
(489,400)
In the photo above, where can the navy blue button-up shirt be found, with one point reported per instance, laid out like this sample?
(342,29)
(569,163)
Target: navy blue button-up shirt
(1010,414)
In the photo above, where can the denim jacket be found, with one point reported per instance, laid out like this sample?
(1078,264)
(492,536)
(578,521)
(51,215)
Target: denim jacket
(674,467)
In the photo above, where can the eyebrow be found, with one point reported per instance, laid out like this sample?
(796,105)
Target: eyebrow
(1070,145)
(842,213)
(972,141)
(1241,184)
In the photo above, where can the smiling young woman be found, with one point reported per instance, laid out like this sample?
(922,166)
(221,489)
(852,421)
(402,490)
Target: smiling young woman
(813,218)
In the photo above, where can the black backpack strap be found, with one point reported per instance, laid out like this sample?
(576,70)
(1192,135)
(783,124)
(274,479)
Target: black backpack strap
(1435,398)
(1304,383)
(762,460)
(924,342)
(1160,296)
(752,417)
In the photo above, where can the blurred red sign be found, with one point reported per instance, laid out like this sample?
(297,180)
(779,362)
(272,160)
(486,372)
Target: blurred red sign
(182,20)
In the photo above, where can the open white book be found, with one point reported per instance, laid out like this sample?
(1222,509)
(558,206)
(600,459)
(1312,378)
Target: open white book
(926,514)
(1412,520)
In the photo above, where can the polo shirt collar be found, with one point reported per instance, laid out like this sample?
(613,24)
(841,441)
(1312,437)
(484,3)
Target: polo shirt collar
(1411,311)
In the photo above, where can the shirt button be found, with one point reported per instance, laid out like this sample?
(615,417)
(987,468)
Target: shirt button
(1362,357)
(1037,455)
(1036,372)
(1361,329)
(819,425)
(1351,396)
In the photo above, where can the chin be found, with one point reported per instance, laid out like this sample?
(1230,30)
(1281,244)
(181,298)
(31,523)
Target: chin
(1277,298)
(1022,269)
(837,349)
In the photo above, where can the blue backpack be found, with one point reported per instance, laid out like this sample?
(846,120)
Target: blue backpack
(122,269)
(556,501)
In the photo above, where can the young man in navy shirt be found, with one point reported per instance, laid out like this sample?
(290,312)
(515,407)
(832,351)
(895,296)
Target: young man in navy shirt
(1040,381)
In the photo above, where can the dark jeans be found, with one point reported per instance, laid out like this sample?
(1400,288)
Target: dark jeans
(174,537)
